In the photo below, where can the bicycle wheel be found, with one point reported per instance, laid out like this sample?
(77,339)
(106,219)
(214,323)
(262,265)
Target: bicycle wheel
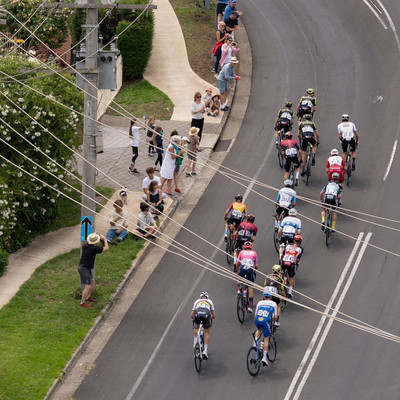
(348,164)
(197,357)
(253,361)
(291,174)
(229,248)
(328,225)
(271,355)
(241,308)
(308,164)
(276,240)
(280,156)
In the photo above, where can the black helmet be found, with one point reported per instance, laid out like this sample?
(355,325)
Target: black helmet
(238,197)
(288,104)
(251,218)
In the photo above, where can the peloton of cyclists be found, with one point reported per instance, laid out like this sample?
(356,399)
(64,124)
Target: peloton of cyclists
(203,311)
(290,261)
(286,199)
(284,121)
(348,135)
(235,214)
(331,195)
(246,232)
(307,104)
(307,133)
(275,280)
(247,265)
(290,227)
(335,164)
(290,151)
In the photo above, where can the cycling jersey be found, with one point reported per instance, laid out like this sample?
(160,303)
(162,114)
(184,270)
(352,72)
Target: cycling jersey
(290,225)
(308,102)
(274,280)
(237,210)
(347,130)
(331,192)
(290,148)
(248,260)
(246,230)
(291,254)
(202,312)
(335,164)
(335,160)
(285,113)
(286,197)
(307,129)
(203,303)
(265,310)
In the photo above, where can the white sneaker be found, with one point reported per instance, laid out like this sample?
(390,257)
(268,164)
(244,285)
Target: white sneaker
(265,361)
(276,323)
(250,310)
(205,354)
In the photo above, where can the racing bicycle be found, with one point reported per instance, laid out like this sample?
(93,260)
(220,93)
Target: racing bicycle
(308,162)
(255,353)
(199,347)
(281,136)
(348,164)
(230,246)
(242,303)
(328,224)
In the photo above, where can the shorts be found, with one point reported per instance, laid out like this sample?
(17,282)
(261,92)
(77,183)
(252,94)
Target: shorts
(86,275)
(291,269)
(192,156)
(305,141)
(235,222)
(177,168)
(346,143)
(331,201)
(202,316)
(276,300)
(289,160)
(287,238)
(221,8)
(283,124)
(247,273)
(223,86)
(239,244)
(283,210)
(303,110)
(262,323)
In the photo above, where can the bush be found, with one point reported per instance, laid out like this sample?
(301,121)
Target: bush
(3,260)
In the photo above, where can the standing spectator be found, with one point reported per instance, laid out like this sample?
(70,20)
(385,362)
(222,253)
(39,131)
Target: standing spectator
(134,135)
(168,167)
(232,24)
(215,105)
(228,50)
(146,182)
(86,266)
(149,138)
(227,73)
(118,222)
(221,5)
(146,224)
(207,96)
(192,148)
(198,108)
(229,9)
(221,33)
(178,162)
(155,199)
(158,142)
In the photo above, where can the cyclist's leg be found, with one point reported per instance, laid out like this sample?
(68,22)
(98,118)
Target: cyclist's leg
(291,273)
(344,147)
(250,277)
(287,167)
(206,336)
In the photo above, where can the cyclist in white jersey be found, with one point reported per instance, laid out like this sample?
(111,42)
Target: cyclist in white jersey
(286,199)
(290,227)
(348,135)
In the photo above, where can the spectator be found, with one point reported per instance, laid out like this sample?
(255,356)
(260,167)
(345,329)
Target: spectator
(155,199)
(178,162)
(227,73)
(158,142)
(221,33)
(228,50)
(198,108)
(149,138)
(146,224)
(146,182)
(232,24)
(134,135)
(221,5)
(215,105)
(207,96)
(118,222)
(192,148)
(86,266)
(229,9)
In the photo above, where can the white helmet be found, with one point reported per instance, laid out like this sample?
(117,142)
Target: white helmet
(345,117)
(334,152)
(293,212)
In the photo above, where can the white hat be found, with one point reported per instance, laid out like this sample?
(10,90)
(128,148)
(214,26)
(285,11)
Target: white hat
(93,238)
(185,139)
(234,60)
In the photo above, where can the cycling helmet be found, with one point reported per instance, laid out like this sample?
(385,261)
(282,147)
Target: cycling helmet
(288,134)
(345,117)
(334,152)
(298,238)
(288,104)
(276,269)
(251,218)
(293,212)
(239,197)
(248,245)
(311,91)
(267,294)
(204,295)
(288,182)
(308,117)
(336,175)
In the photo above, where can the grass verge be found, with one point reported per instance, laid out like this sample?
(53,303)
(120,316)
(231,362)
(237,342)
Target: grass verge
(42,325)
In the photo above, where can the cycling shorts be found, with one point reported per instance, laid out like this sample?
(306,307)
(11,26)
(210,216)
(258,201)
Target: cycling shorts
(305,141)
(346,143)
(283,210)
(202,315)
(291,269)
(277,300)
(239,244)
(263,323)
(332,201)
(289,160)
(283,124)
(303,110)
(287,237)
(236,222)
(247,273)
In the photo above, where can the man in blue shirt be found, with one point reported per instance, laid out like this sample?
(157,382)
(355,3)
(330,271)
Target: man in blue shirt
(221,5)
(228,11)
(227,73)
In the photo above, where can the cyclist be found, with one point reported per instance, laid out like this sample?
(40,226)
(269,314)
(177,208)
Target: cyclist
(247,265)
(290,261)
(331,195)
(290,150)
(348,135)
(203,311)
(286,199)
(335,164)
(266,312)
(284,120)
(307,104)
(246,232)
(235,214)
(275,280)
(307,133)
(290,227)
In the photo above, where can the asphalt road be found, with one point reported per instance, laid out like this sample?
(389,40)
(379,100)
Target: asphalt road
(342,49)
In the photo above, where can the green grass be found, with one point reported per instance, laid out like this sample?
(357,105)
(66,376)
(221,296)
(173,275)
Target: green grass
(42,325)
(141,98)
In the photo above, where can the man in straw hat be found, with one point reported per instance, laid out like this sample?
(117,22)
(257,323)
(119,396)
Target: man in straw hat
(192,149)
(86,266)
(227,73)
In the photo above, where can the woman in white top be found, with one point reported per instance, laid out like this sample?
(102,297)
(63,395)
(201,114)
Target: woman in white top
(197,107)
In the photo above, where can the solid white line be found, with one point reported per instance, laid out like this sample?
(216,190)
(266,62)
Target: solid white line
(390,160)
(322,321)
(330,322)
(392,27)
(375,13)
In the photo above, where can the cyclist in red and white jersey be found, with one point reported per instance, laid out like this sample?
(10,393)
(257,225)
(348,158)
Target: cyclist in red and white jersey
(335,164)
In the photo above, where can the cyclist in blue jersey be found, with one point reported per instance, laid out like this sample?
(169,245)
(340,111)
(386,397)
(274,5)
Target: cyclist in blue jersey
(266,313)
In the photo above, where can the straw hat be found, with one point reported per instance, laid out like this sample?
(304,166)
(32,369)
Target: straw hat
(93,238)
(234,60)
(193,131)
(216,95)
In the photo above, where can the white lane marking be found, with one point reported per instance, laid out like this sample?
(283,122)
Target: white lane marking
(375,13)
(330,322)
(392,27)
(322,321)
(390,160)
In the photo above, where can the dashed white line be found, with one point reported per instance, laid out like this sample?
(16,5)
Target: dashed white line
(390,160)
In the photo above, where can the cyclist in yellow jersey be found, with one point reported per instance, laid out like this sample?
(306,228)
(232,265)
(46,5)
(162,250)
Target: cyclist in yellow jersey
(235,214)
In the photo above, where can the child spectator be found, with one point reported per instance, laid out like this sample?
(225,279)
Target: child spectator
(155,199)
(146,224)
(146,182)
(118,223)
(149,138)
(207,96)
(134,135)
(158,142)
(215,105)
